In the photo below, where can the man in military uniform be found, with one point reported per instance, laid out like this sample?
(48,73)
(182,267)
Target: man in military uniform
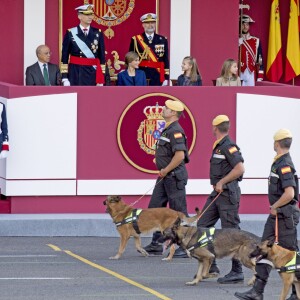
(250,55)
(171,155)
(226,170)
(283,197)
(153,51)
(83,52)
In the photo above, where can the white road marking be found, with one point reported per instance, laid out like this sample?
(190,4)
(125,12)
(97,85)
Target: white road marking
(36,278)
(27,255)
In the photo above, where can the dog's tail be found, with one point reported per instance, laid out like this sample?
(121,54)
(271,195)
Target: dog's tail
(190,220)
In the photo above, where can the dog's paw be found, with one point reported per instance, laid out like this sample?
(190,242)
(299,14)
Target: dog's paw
(190,283)
(142,251)
(251,280)
(115,257)
(166,258)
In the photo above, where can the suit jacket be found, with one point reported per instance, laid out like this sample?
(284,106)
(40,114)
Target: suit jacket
(34,75)
(159,47)
(80,74)
(221,82)
(138,80)
(181,81)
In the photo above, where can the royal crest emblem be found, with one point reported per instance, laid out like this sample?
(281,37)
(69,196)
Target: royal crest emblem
(141,125)
(111,13)
(150,129)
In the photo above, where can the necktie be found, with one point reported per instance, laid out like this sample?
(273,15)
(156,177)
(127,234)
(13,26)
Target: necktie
(150,39)
(85,31)
(46,76)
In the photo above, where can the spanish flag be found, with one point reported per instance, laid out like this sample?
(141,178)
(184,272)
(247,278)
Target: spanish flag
(292,66)
(274,60)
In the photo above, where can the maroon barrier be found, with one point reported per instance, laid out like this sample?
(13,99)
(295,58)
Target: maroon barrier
(98,154)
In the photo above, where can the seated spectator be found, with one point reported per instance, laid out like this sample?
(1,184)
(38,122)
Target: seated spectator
(43,72)
(132,76)
(229,74)
(191,75)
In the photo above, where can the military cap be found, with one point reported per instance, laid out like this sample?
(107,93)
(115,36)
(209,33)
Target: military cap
(220,119)
(87,9)
(247,19)
(282,134)
(174,105)
(148,18)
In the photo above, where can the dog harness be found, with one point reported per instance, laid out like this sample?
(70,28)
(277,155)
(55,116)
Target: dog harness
(132,218)
(206,238)
(293,266)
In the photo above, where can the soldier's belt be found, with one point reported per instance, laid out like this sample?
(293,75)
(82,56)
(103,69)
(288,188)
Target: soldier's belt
(160,66)
(83,61)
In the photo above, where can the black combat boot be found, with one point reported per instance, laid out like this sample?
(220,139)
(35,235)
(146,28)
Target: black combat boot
(180,253)
(235,275)
(293,294)
(214,270)
(155,247)
(256,293)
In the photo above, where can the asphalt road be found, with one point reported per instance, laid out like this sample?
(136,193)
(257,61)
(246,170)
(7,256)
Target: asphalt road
(78,268)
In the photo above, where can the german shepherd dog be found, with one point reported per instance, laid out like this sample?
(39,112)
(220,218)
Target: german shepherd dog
(149,220)
(229,242)
(279,257)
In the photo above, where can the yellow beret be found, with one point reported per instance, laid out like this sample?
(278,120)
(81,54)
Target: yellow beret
(282,134)
(174,105)
(220,119)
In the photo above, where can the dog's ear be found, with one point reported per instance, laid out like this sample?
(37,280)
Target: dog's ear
(177,223)
(270,243)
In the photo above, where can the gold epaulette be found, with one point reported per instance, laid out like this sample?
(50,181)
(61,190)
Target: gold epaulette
(63,68)
(103,68)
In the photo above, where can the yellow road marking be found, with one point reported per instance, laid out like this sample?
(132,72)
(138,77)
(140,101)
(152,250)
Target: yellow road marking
(55,248)
(121,277)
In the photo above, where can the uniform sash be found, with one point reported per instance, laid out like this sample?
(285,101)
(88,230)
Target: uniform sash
(89,60)
(153,62)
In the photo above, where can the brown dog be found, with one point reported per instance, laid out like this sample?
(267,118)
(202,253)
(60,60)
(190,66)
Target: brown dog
(224,242)
(149,220)
(279,257)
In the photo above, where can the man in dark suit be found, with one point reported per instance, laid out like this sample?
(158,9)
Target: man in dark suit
(43,72)
(153,51)
(83,52)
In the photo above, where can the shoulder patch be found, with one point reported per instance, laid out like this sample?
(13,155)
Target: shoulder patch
(286,169)
(233,149)
(177,135)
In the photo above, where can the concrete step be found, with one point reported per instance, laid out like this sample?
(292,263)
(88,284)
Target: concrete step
(89,225)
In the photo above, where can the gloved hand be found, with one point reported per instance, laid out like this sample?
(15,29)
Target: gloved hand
(66,82)
(165,83)
(4,150)
(241,40)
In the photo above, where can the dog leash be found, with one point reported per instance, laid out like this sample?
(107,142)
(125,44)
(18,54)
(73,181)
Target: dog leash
(276,229)
(208,207)
(135,202)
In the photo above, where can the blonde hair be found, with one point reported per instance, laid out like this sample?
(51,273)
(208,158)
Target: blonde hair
(225,72)
(194,70)
(130,57)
